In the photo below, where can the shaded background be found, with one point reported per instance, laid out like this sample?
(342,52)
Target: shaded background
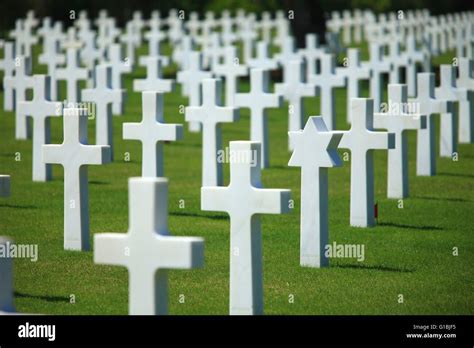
(309,15)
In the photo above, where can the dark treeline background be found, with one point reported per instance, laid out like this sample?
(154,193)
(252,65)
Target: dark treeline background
(309,14)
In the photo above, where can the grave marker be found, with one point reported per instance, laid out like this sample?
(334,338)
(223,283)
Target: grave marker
(41,108)
(258,100)
(211,114)
(315,152)
(151,132)
(244,200)
(74,155)
(147,249)
(362,141)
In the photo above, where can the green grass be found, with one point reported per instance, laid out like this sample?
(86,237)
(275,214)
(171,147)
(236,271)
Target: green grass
(408,253)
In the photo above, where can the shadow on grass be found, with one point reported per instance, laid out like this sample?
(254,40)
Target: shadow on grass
(214,217)
(98,182)
(461,175)
(411,227)
(42,298)
(284,167)
(18,206)
(374,268)
(444,199)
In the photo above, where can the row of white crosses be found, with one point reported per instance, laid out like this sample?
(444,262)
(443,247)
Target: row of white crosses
(246,291)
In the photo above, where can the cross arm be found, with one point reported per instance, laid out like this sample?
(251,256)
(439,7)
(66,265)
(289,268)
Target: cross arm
(95,154)
(381,140)
(214,198)
(53,153)
(272,201)
(111,249)
(179,252)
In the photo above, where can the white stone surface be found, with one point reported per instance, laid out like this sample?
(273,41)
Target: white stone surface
(103,95)
(153,80)
(7,64)
(258,100)
(466,108)
(193,76)
(326,81)
(448,125)
(263,60)
(244,200)
(19,84)
(211,114)
(74,155)
(378,68)
(151,132)
(315,152)
(293,90)
(119,67)
(398,118)
(148,250)
(40,109)
(361,140)
(354,72)
(428,105)
(231,69)
(72,73)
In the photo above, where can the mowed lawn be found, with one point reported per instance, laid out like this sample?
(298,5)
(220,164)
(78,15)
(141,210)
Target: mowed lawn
(409,253)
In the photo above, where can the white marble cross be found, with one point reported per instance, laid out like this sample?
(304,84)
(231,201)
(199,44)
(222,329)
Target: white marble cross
(41,108)
(262,60)
(397,61)
(231,69)
(244,200)
(152,131)
(193,76)
(447,90)
(154,38)
(258,100)
(398,117)
(416,56)
(326,81)
(131,39)
(378,68)
(286,55)
(428,105)
(153,81)
(181,55)
(193,24)
(315,152)
(361,140)
(119,67)
(74,155)
(7,64)
(266,25)
(6,279)
(466,108)
(312,54)
(4,185)
(72,73)
(247,35)
(293,90)
(354,73)
(148,250)
(52,57)
(211,114)
(103,95)
(19,84)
